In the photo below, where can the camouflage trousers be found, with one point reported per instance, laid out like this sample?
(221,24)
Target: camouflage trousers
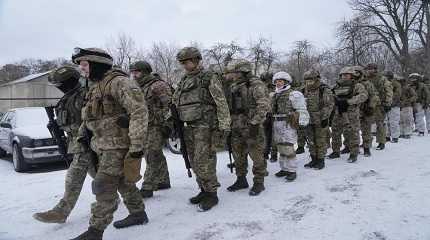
(287,157)
(108,181)
(202,154)
(393,120)
(75,178)
(301,136)
(347,123)
(270,147)
(156,171)
(380,125)
(419,117)
(406,120)
(366,122)
(427,113)
(317,140)
(243,145)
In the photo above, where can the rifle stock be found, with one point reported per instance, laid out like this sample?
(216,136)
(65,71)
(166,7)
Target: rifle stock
(57,134)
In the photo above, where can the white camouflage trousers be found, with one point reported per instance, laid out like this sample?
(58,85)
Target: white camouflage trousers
(393,123)
(419,118)
(406,120)
(427,111)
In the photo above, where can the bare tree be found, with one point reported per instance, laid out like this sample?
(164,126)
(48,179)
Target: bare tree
(261,54)
(221,53)
(123,50)
(163,58)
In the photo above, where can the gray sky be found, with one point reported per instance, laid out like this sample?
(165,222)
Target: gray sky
(52,28)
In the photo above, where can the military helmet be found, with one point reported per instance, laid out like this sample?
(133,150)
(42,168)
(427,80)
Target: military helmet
(348,70)
(142,66)
(238,65)
(62,74)
(188,53)
(282,76)
(266,76)
(371,66)
(311,74)
(415,77)
(389,74)
(92,55)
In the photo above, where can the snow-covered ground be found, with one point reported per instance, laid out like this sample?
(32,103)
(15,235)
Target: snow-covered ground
(384,197)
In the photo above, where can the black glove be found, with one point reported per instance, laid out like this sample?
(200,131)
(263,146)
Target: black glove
(324,123)
(123,121)
(136,154)
(165,131)
(342,105)
(253,130)
(387,108)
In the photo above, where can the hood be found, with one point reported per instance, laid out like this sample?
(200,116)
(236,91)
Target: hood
(33,132)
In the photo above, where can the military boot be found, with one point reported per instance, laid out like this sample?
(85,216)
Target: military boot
(300,150)
(138,218)
(241,183)
(291,176)
(388,139)
(90,234)
(281,173)
(163,186)
(352,158)
(312,163)
(319,164)
(402,136)
(407,136)
(421,134)
(256,189)
(146,193)
(380,146)
(198,198)
(210,199)
(345,150)
(395,140)
(51,216)
(367,152)
(334,155)
(273,157)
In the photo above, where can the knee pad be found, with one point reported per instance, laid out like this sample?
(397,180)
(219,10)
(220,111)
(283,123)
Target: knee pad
(104,184)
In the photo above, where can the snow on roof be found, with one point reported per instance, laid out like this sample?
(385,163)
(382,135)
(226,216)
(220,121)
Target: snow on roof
(26,78)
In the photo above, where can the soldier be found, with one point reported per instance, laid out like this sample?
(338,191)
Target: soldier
(421,103)
(426,80)
(385,93)
(115,114)
(393,116)
(268,123)
(407,101)
(249,106)
(157,94)
(289,112)
(349,95)
(367,110)
(203,108)
(320,103)
(68,112)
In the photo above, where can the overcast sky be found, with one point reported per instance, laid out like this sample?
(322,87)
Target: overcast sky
(49,29)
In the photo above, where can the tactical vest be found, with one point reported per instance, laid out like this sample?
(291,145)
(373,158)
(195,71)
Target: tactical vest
(68,109)
(372,100)
(100,103)
(282,106)
(242,101)
(315,101)
(153,102)
(379,83)
(194,96)
(344,91)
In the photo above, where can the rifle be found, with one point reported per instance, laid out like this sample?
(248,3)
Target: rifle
(179,127)
(230,152)
(57,134)
(268,127)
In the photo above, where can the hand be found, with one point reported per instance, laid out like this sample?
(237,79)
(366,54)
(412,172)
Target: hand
(123,121)
(165,131)
(342,105)
(387,108)
(324,123)
(138,154)
(253,130)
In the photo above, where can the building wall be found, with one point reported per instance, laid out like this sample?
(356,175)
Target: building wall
(36,88)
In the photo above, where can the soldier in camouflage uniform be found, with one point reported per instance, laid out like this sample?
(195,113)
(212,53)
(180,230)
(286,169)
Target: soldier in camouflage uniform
(385,93)
(202,106)
(393,116)
(158,97)
(289,112)
(68,112)
(249,104)
(320,103)
(426,81)
(116,116)
(407,101)
(271,147)
(421,103)
(367,110)
(349,95)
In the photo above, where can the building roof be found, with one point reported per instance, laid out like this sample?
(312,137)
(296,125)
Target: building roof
(28,78)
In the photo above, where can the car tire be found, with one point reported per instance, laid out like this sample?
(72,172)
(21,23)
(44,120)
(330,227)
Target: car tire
(174,145)
(19,163)
(3,153)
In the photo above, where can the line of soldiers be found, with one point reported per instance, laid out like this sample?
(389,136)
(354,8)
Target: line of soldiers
(113,120)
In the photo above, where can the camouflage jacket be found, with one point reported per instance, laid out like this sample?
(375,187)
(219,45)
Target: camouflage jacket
(68,112)
(158,97)
(384,88)
(200,100)
(320,103)
(249,102)
(357,95)
(368,107)
(409,96)
(115,113)
(423,94)
(397,92)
